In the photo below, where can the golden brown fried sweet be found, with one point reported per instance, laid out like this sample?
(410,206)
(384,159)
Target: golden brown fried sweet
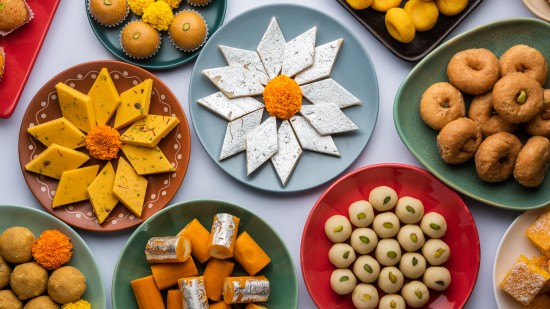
(533,161)
(540,125)
(13,14)
(524,59)
(108,12)
(474,71)
(483,113)
(28,280)
(459,140)
(517,97)
(66,284)
(15,244)
(496,156)
(441,103)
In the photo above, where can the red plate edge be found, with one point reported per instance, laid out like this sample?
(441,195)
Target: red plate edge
(22,47)
(453,194)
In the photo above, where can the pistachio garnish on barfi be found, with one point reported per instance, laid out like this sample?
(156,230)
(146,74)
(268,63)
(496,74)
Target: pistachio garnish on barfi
(149,131)
(76,107)
(58,131)
(146,160)
(129,187)
(101,194)
(56,159)
(134,104)
(105,98)
(73,185)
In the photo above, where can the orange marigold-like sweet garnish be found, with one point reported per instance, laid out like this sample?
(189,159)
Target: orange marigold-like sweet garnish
(282,97)
(52,249)
(103,142)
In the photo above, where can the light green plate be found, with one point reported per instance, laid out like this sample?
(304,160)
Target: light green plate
(421,140)
(37,221)
(169,221)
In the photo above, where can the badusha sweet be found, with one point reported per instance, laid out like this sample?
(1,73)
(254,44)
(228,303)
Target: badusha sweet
(108,12)
(137,6)
(159,15)
(188,31)
(14,14)
(139,40)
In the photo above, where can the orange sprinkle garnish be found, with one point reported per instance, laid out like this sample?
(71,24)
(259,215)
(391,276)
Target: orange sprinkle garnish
(103,142)
(52,249)
(282,97)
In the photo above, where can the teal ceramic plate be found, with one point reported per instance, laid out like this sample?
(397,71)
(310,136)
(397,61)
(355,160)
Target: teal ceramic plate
(168,56)
(353,70)
(37,221)
(169,221)
(421,140)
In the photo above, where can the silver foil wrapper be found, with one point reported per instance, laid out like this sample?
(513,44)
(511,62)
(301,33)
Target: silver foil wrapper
(235,81)
(162,248)
(288,153)
(248,59)
(323,61)
(261,144)
(235,134)
(254,290)
(298,53)
(193,291)
(223,228)
(327,118)
(329,91)
(310,139)
(271,49)
(230,109)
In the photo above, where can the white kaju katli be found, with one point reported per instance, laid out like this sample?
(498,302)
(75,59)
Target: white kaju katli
(271,49)
(327,118)
(235,81)
(248,59)
(288,152)
(230,109)
(261,144)
(329,91)
(299,53)
(310,139)
(235,134)
(323,61)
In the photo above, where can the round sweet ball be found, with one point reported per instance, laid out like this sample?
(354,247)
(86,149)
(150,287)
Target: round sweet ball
(108,12)
(28,280)
(16,244)
(388,252)
(409,210)
(9,300)
(363,240)
(342,281)
(361,213)
(188,31)
(436,251)
(434,225)
(386,225)
(413,265)
(338,228)
(437,278)
(415,293)
(383,198)
(139,40)
(365,296)
(366,268)
(341,255)
(41,302)
(390,279)
(411,237)
(66,284)
(5,272)
(392,301)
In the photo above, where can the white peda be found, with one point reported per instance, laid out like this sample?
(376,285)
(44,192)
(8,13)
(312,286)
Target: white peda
(392,301)
(341,255)
(361,213)
(434,225)
(411,237)
(342,281)
(415,293)
(413,265)
(436,251)
(386,225)
(409,210)
(390,279)
(388,252)
(366,268)
(338,228)
(383,198)
(437,278)
(365,296)
(363,240)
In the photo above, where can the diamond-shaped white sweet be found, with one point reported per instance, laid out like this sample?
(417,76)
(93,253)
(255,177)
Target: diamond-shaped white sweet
(271,49)
(310,139)
(298,53)
(248,59)
(329,91)
(323,61)
(230,109)
(327,118)
(261,144)
(235,81)
(235,134)
(288,153)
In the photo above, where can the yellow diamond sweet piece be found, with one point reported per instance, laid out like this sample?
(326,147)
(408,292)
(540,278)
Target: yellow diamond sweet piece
(129,187)
(73,185)
(147,160)
(105,98)
(58,131)
(56,159)
(134,104)
(76,107)
(149,131)
(101,194)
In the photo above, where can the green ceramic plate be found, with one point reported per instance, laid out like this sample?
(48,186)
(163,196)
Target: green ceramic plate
(169,221)
(168,56)
(37,221)
(421,140)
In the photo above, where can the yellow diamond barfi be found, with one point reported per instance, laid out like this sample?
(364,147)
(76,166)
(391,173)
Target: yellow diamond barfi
(129,187)
(101,194)
(105,98)
(146,160)
(134,104)
(58,131)
(149,131)
(73,185)
(76,107)
(56,159)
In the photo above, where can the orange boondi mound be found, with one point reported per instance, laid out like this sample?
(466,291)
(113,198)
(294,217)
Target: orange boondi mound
(282,97)
(52,249)
(103,142)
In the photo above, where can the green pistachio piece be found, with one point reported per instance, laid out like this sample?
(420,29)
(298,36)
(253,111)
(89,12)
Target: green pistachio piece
(414,261)
(107,2)
(413,237)
(361,216)
(346,255)
(440,282)
(393,304)
(435,226)
(367,268)
(410,209)
(418,294)
(392,254)
(338,228)
(522,96)
(364,239)
(439,252)
(136,35)
(344,278)
(388,225)
(392,277)
(387,199)
(367,297)
(186,26)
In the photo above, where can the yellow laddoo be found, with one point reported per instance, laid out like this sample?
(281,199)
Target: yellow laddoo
(188,31)
(359,4)
(5,272)
(8,300)
(16,244)
(400,25)
(384,5)
(66,284)
(139,40)
(451,7)
(423,14)
(28,280)
(41,302)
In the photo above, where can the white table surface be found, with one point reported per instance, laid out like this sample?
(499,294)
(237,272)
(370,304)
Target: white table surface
(70,41)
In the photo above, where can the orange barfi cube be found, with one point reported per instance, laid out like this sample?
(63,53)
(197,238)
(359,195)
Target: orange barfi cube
(539,234)
(524,280)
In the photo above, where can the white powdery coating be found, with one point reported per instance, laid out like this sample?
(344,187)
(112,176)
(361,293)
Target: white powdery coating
(310,139)
(230,109)
(235,134)
(323,61)
(247,59)
(288,153)
(522,283)
(298,53)
(235,81)
(329,91)
(261,144)
(271,49)
(327,118)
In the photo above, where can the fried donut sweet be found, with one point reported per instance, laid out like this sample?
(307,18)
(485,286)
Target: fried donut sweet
(458,141)
(524,59)
(517,97)
(496,156)
(533,162)
(540,125)
(483,113)
(474,71)
(441,103)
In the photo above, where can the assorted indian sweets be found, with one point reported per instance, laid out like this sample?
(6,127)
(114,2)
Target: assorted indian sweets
(85,123)
(34,273)
(388,243)
(141,39)
(173,268)
(509,101)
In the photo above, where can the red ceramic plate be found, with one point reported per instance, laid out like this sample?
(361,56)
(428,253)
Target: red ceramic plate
(461,236)
(21,47)
(175,146)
